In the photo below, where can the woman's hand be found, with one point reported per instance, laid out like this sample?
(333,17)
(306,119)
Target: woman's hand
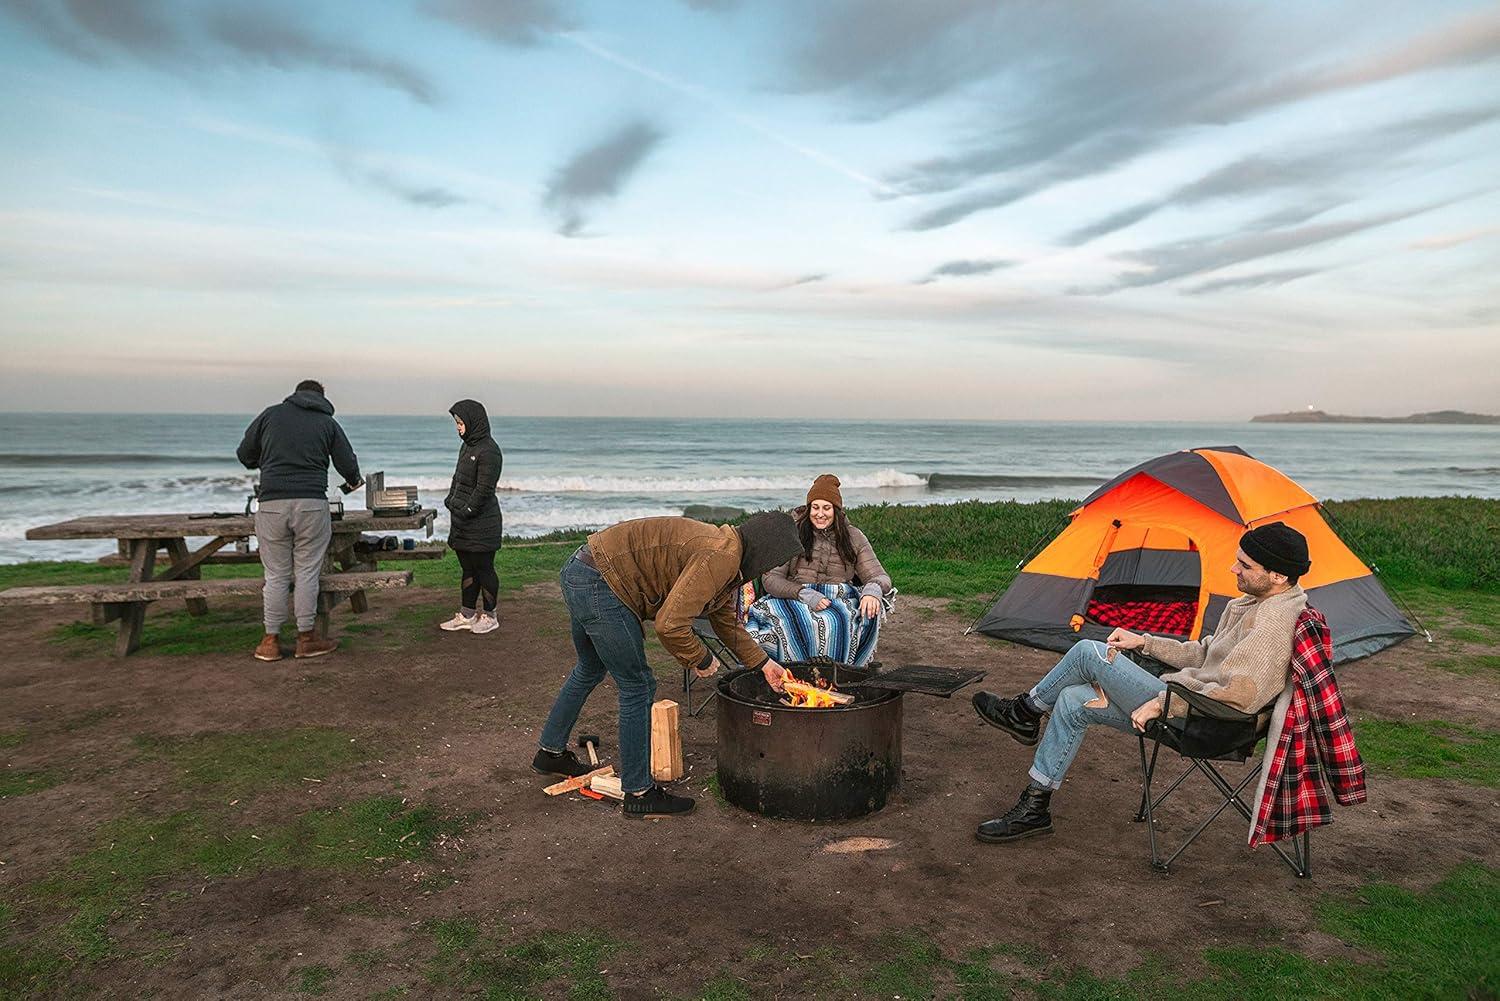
(1148,712)
(822,605)
(776,675)
(869,606)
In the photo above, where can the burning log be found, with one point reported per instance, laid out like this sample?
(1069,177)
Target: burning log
(805,696)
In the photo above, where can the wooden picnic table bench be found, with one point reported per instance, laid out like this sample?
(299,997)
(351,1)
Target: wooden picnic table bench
(346,573)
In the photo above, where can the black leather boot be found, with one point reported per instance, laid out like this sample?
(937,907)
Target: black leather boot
(1014,716)
(1028,818)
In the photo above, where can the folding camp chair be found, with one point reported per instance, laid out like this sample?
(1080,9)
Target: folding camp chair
(705,632)
(1210,732)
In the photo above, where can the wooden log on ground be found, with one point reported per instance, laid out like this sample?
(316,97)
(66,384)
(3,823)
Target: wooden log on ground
(577,782)
(666,743)
(607,785)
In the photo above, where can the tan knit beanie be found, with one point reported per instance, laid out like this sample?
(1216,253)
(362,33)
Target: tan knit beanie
(826,488)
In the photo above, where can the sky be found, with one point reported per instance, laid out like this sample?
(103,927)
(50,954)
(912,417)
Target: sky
(877,209)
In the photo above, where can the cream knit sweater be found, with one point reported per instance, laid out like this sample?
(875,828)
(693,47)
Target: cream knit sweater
(1244,663)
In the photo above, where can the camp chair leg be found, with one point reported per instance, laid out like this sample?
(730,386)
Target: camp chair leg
(1231,798)
(687,690)
(1146,769)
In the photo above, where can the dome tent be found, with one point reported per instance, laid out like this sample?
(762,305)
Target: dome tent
(1151,550)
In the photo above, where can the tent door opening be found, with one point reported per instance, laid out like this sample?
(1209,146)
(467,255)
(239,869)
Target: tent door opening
(1149,584)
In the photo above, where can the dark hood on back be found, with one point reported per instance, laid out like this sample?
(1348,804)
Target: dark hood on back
(476,421)
(307,399)
(767,540)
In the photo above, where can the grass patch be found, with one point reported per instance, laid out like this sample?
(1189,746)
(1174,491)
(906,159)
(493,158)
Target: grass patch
(467,960)
(133,853)
(235,764)
(11,738)
(403,627)
(1444,542)
(1441,943)
(314,979)
(44,573)
(222,630)
(21,783)
(1431,749)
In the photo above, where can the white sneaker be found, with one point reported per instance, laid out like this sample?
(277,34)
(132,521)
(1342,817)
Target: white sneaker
(459,621)
(485,624)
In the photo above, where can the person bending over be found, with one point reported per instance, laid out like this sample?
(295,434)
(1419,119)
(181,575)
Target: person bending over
(670,570)
(1243,664)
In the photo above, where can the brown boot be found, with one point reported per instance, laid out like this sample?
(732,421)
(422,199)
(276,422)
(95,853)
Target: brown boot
(308,645)
(269,649)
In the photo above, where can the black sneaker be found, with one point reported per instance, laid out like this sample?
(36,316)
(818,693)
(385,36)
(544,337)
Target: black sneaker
(564,763)
(1011,715)
(656,802)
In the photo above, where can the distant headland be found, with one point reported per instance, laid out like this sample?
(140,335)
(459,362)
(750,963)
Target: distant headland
(1321,417)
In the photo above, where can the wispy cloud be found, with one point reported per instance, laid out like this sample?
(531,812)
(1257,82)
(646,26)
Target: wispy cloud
(1185,258)
(809,279)
(509,22)
(1447,240)
(358,170)
(703,97)
(964,269)
(597,173)
(194,39)
(1315,164)
(1263,279)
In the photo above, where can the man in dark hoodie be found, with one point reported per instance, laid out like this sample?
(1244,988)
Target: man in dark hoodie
(291,444)
(671,570)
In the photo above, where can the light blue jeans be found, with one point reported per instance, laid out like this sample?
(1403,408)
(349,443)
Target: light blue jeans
(1068,688)
(607,636)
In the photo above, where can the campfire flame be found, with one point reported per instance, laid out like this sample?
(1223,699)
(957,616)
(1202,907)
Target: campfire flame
(807,696)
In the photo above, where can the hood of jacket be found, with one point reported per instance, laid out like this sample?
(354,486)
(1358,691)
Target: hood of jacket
(767,540)
(476,421)
(308,399)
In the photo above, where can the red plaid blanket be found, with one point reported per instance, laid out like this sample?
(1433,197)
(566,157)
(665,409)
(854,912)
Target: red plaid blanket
(1162,618)
(1316,732)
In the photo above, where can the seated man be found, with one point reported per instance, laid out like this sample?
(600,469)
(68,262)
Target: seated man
(1243,664)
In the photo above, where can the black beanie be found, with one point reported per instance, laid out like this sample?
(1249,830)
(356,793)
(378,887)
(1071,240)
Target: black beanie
(767,540)
(1277,547)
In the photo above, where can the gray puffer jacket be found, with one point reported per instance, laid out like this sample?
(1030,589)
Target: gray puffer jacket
(826,566)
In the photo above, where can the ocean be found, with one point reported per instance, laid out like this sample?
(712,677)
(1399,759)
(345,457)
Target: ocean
(590,472)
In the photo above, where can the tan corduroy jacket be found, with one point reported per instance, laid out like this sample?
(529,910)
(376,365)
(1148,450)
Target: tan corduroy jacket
(1244,663)
(674,570)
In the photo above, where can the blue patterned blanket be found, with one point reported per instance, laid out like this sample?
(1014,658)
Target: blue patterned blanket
(790,631)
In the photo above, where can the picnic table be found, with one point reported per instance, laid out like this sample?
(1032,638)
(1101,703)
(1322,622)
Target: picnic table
(347,572)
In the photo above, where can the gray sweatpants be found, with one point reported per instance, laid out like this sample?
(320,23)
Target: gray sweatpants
(294,536)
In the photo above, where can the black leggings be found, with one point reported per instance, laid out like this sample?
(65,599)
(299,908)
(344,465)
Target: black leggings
(479,575)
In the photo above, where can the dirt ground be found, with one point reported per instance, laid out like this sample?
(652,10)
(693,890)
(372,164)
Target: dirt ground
(455,719)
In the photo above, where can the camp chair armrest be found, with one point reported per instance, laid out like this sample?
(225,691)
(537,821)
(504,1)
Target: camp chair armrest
(1202,705)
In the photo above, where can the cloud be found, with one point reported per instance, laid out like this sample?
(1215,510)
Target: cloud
(1263,279)
(809,279)
(510,22)
(357,170)
(258,38)
(597,173)
(189,38)
(1184,258)
(1064,97)
(964,269)
(1454,239)
(1310,166)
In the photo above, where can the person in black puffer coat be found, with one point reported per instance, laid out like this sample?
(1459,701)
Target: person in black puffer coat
(475,513)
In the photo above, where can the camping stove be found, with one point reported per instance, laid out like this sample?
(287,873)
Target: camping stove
(803,763)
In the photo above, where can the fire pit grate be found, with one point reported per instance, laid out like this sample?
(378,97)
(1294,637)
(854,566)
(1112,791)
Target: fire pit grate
(924,678)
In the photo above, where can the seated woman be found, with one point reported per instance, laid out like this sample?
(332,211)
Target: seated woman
(826,602)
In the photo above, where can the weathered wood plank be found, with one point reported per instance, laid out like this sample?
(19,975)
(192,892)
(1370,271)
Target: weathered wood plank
(187,525)
(157,590)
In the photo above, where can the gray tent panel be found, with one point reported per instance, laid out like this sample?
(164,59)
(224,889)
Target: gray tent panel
(1187,472)
(1035,610)
(1361,616)
(1153,567)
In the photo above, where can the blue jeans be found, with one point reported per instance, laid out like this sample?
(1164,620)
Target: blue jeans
(607,636)
(1069,686)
